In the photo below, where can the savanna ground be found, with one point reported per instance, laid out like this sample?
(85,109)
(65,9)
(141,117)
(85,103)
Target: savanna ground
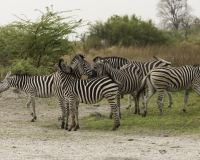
(172,136)
(43,139)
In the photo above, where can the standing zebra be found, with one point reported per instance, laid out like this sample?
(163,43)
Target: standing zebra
(130,80)
(37,86)
(171,79)
(118,62)
(87,91)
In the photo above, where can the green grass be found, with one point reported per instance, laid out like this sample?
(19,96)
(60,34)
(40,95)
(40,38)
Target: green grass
(174,121)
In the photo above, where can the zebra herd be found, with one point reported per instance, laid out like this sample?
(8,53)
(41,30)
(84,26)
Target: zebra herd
(109,78)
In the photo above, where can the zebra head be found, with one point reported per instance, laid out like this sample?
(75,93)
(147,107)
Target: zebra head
(5,84)
(101,67)
(98,58)
(81,64)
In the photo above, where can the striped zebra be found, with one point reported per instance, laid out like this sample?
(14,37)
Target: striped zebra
(87,91)
(129,77)
(36,86)
(118,62)
(171,79)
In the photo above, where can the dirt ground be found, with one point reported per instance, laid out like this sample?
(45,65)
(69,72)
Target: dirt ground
(21,139)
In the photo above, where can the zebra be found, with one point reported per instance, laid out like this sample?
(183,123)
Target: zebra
(129,77)
(172,79)
(87,91)
(36,86)
(120,63)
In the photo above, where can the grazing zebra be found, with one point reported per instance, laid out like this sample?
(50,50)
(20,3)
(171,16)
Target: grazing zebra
(36,86)
(87,91)
(129,77)
(171,79)
(120,63)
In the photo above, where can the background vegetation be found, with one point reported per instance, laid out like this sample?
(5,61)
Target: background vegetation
(33,48)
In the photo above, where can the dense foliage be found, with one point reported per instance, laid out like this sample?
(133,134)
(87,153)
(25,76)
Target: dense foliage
(42,42)
(124,31)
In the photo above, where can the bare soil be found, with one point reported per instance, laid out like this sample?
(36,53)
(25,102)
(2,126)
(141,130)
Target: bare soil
(21,139)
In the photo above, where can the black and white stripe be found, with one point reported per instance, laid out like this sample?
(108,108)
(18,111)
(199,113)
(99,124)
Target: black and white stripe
(87,91)
(171,79)
(129,78)
(37,86)
(120,63)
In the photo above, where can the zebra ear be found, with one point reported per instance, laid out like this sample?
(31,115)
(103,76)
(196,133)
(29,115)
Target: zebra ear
(8,74)
(82,56)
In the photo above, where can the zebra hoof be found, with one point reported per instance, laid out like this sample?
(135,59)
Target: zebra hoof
(184,110)
(115,127)
(33,120)
(62,125)
(110,117)
(144,114)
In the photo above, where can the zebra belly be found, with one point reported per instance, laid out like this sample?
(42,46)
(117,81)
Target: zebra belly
(89,100)
(44,95)
(170,89)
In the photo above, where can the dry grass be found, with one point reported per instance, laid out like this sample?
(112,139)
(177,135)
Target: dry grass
(180,55)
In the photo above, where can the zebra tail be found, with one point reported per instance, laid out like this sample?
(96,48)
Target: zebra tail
(142,87)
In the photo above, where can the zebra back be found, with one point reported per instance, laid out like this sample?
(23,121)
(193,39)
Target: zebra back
(40,86)
(129,78)
(115,62)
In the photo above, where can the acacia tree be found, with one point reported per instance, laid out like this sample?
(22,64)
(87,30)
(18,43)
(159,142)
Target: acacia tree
(172,12)
(43,41)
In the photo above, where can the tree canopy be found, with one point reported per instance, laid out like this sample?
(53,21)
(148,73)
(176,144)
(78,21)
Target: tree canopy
(43,41)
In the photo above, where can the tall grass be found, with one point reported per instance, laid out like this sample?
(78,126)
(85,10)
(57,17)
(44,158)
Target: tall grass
(184,54)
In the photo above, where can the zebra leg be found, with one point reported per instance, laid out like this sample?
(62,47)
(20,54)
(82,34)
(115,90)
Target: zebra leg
(73,112)
(115,111)
(129,102)
(146,99)
(61,104)
(28,106)
(77,121)
(160,100)
(118,104)
(137,108)
(186,99)
(32,101)
(170,99)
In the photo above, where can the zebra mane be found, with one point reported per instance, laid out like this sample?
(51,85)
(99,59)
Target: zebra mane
(103,58)
(77,56)
(196,65)
(27,75)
